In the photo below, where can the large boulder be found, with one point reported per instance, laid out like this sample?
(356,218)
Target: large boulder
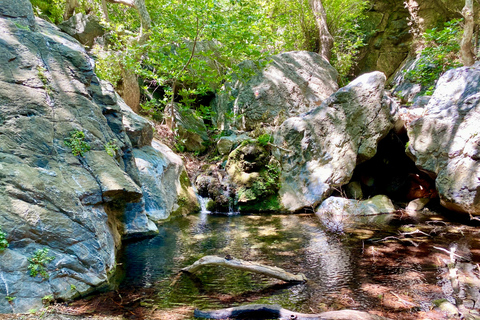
(84,28)
(292,83)
(319,150)
(445,141)
(73,205)
(166,187)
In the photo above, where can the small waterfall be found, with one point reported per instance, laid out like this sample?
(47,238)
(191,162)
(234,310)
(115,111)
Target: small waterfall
(203,204)
(231,202)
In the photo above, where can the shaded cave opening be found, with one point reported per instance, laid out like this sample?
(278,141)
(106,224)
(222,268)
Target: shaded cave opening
(392,173)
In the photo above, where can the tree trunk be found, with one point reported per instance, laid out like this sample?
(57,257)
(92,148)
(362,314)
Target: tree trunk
(105,11)
(466,47)
(326,39)
(70,6)
(273,272)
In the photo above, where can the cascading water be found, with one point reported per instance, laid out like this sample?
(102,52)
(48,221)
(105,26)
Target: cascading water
(203,205)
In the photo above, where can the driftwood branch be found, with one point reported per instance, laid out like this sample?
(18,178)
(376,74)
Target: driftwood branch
(273,272)
(264,311)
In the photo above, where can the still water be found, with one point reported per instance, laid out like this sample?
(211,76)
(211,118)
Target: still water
(347,267)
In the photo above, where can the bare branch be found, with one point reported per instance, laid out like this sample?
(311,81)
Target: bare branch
(273,272)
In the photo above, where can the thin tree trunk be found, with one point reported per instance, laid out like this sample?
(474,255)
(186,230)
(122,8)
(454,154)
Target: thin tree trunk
(172,102)
(466,47)
(326,39)
(70,6)
(105,11)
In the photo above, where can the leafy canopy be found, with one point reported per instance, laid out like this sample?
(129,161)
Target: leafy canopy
(439,55)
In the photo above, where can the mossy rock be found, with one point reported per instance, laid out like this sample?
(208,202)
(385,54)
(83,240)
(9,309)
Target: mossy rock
(187,201)
(269,204)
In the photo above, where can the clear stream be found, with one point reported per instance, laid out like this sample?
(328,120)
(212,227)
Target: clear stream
(347,267)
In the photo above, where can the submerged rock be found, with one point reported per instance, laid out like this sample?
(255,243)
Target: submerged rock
(349,207)
(292,83)
(319,150)
(445,140)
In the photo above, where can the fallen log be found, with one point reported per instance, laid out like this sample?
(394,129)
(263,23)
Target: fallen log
(264,311)
(273,272)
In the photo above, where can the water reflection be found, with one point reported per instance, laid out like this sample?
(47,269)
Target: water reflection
(345,269)
(295,243)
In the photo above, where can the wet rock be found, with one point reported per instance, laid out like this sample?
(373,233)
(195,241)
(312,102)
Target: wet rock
(213,184)
(353,190)
(292,83)
(445,141)
(319,150)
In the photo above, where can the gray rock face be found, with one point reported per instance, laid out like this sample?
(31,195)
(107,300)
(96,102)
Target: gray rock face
(139,129)
(165,184)
(50,198)
(319,150)
(83,28)
(446,141)
(394,27)
(191,130)
(292,83)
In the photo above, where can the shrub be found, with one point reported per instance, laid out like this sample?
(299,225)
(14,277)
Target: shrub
(111,148)
(77,144)
(3,240)
(264,139)
(439,55)
(38,263)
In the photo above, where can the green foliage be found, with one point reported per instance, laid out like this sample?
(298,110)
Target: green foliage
(346,22)
(107,65)
(3,240)
(51,9)
(439,55)
(38,263)
(296,28)
(46,300)
(111,148)
(295,25)
(10,299)
(264,139)
(77,144)
(195,42)
(266,185)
